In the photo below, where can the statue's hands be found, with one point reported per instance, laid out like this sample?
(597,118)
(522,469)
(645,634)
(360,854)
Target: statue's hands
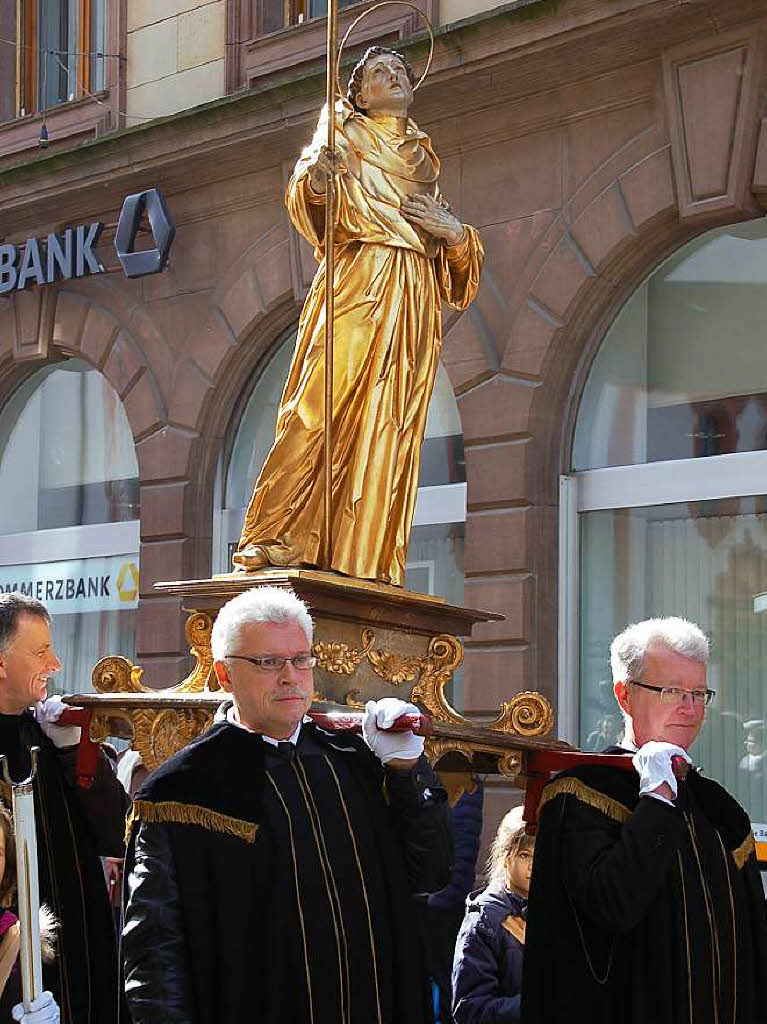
(327,162)
(433,218)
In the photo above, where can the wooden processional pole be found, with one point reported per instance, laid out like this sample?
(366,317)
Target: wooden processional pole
(330,212)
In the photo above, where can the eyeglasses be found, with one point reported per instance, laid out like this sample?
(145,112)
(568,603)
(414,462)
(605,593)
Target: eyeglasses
(273,663)
(675,695)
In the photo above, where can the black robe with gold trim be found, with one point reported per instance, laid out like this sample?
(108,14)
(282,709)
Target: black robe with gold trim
(74,826)
(642,912)
(279,890)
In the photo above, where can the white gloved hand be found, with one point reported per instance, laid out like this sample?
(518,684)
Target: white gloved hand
(653,762)
(390,746)
(45,1010)
(47,713)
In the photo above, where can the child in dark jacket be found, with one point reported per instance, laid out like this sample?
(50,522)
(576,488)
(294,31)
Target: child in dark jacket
(487,968)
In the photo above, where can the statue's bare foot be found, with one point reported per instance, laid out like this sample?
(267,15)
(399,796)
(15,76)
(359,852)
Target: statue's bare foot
(254,556)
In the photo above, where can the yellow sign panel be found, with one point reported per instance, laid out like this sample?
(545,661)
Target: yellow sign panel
(127,581)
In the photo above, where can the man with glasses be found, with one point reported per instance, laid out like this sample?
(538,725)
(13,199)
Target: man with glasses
(271,864)
(645,901)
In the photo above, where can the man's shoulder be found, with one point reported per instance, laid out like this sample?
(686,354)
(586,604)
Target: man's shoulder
(221,753)
(613,792)
(722,809)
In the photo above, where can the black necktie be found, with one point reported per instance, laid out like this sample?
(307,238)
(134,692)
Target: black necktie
(287,750)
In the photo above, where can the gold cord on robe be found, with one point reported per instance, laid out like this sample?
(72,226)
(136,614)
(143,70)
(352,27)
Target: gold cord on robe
(390,279)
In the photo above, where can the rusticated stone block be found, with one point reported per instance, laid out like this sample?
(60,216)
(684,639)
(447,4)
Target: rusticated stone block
(603,226)
(648,187)
(164,508)
(190,388)
(494,409)
(496,541)
(561,277)
(210,345)
(531,335)
(467,351)
(123,364)
(71,311)
(164,560)
(160,626)
(496,474)
(274,277)
(242,303)
(164,454)
(98,330)
(512,596)
(144,407)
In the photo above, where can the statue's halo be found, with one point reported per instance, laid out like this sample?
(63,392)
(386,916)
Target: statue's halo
(369,10)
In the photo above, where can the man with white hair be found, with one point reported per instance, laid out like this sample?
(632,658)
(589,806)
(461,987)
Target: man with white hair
(646,903)
(271,864)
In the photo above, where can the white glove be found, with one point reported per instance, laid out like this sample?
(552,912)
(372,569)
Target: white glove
(388,746)
(45,1010)
(47,713)
(653,762)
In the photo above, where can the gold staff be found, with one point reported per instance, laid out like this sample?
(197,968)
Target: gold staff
(330,214)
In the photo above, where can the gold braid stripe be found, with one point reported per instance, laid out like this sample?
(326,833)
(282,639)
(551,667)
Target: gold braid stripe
(612,808)
(189,814)
(744,851)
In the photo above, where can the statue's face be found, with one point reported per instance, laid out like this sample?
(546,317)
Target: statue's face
(386,88)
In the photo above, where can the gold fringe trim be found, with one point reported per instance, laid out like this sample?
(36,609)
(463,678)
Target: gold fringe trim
(605,804)
(188,814)
(744,851)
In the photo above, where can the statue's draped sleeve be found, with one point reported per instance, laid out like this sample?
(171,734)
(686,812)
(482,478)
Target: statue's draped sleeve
(374,180)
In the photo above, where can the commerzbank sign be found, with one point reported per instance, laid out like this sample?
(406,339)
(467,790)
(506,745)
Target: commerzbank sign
(68,254)
(110,583)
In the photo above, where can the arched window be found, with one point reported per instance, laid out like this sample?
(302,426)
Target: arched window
(69,529)
(665,512)
(435,555)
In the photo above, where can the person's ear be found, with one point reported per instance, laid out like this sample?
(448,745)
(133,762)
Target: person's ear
(621,691)
(3,668)
(359,99)
(222,675)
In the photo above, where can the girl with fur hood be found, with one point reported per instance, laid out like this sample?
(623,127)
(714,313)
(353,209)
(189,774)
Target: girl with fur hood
(487,968)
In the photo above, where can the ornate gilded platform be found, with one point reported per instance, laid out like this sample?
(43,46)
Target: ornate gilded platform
(371,641)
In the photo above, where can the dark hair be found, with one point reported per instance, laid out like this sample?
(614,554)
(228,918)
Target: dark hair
(11,607)
(355,79)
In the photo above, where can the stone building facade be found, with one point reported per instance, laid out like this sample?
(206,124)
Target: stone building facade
(587,140)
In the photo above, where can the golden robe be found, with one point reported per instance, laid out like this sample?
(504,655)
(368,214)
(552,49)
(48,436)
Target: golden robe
(389,281)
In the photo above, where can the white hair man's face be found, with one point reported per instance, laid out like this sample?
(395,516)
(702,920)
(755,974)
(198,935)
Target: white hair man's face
(270,703)
(651,718)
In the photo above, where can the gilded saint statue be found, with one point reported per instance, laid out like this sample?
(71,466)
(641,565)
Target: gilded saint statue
(399,252)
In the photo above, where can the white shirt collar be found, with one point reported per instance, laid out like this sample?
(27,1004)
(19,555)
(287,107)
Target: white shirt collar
(233,719)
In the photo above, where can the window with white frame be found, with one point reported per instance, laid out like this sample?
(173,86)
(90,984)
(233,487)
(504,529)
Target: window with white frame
(69,530)
(665,512)
(436,551)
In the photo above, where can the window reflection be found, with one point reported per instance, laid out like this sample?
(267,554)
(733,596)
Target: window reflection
(67,458)
(706,561)
(681,373)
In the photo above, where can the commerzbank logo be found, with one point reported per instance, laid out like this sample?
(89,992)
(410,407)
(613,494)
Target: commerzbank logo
(72,253)
(127,582)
